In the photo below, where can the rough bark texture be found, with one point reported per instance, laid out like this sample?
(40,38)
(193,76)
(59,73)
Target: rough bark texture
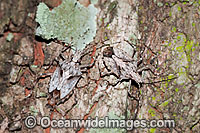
(164,34)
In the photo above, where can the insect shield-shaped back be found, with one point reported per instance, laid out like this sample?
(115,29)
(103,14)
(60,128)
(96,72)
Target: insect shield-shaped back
(66,76)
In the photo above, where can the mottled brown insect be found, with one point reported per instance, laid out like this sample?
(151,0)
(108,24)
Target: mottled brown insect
(67,74)
(121,64)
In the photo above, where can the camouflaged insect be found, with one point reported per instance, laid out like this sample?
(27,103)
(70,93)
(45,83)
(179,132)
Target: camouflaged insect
(66,75)
(120,64)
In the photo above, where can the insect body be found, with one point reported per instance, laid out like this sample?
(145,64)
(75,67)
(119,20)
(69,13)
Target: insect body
(122,65)
(66,75)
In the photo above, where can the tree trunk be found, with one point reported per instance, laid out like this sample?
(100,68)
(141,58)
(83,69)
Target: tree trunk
(162,38)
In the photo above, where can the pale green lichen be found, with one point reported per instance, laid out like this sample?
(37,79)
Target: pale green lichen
(70,22)
(9,37)
(94,1)
(198,85)
(152,130)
